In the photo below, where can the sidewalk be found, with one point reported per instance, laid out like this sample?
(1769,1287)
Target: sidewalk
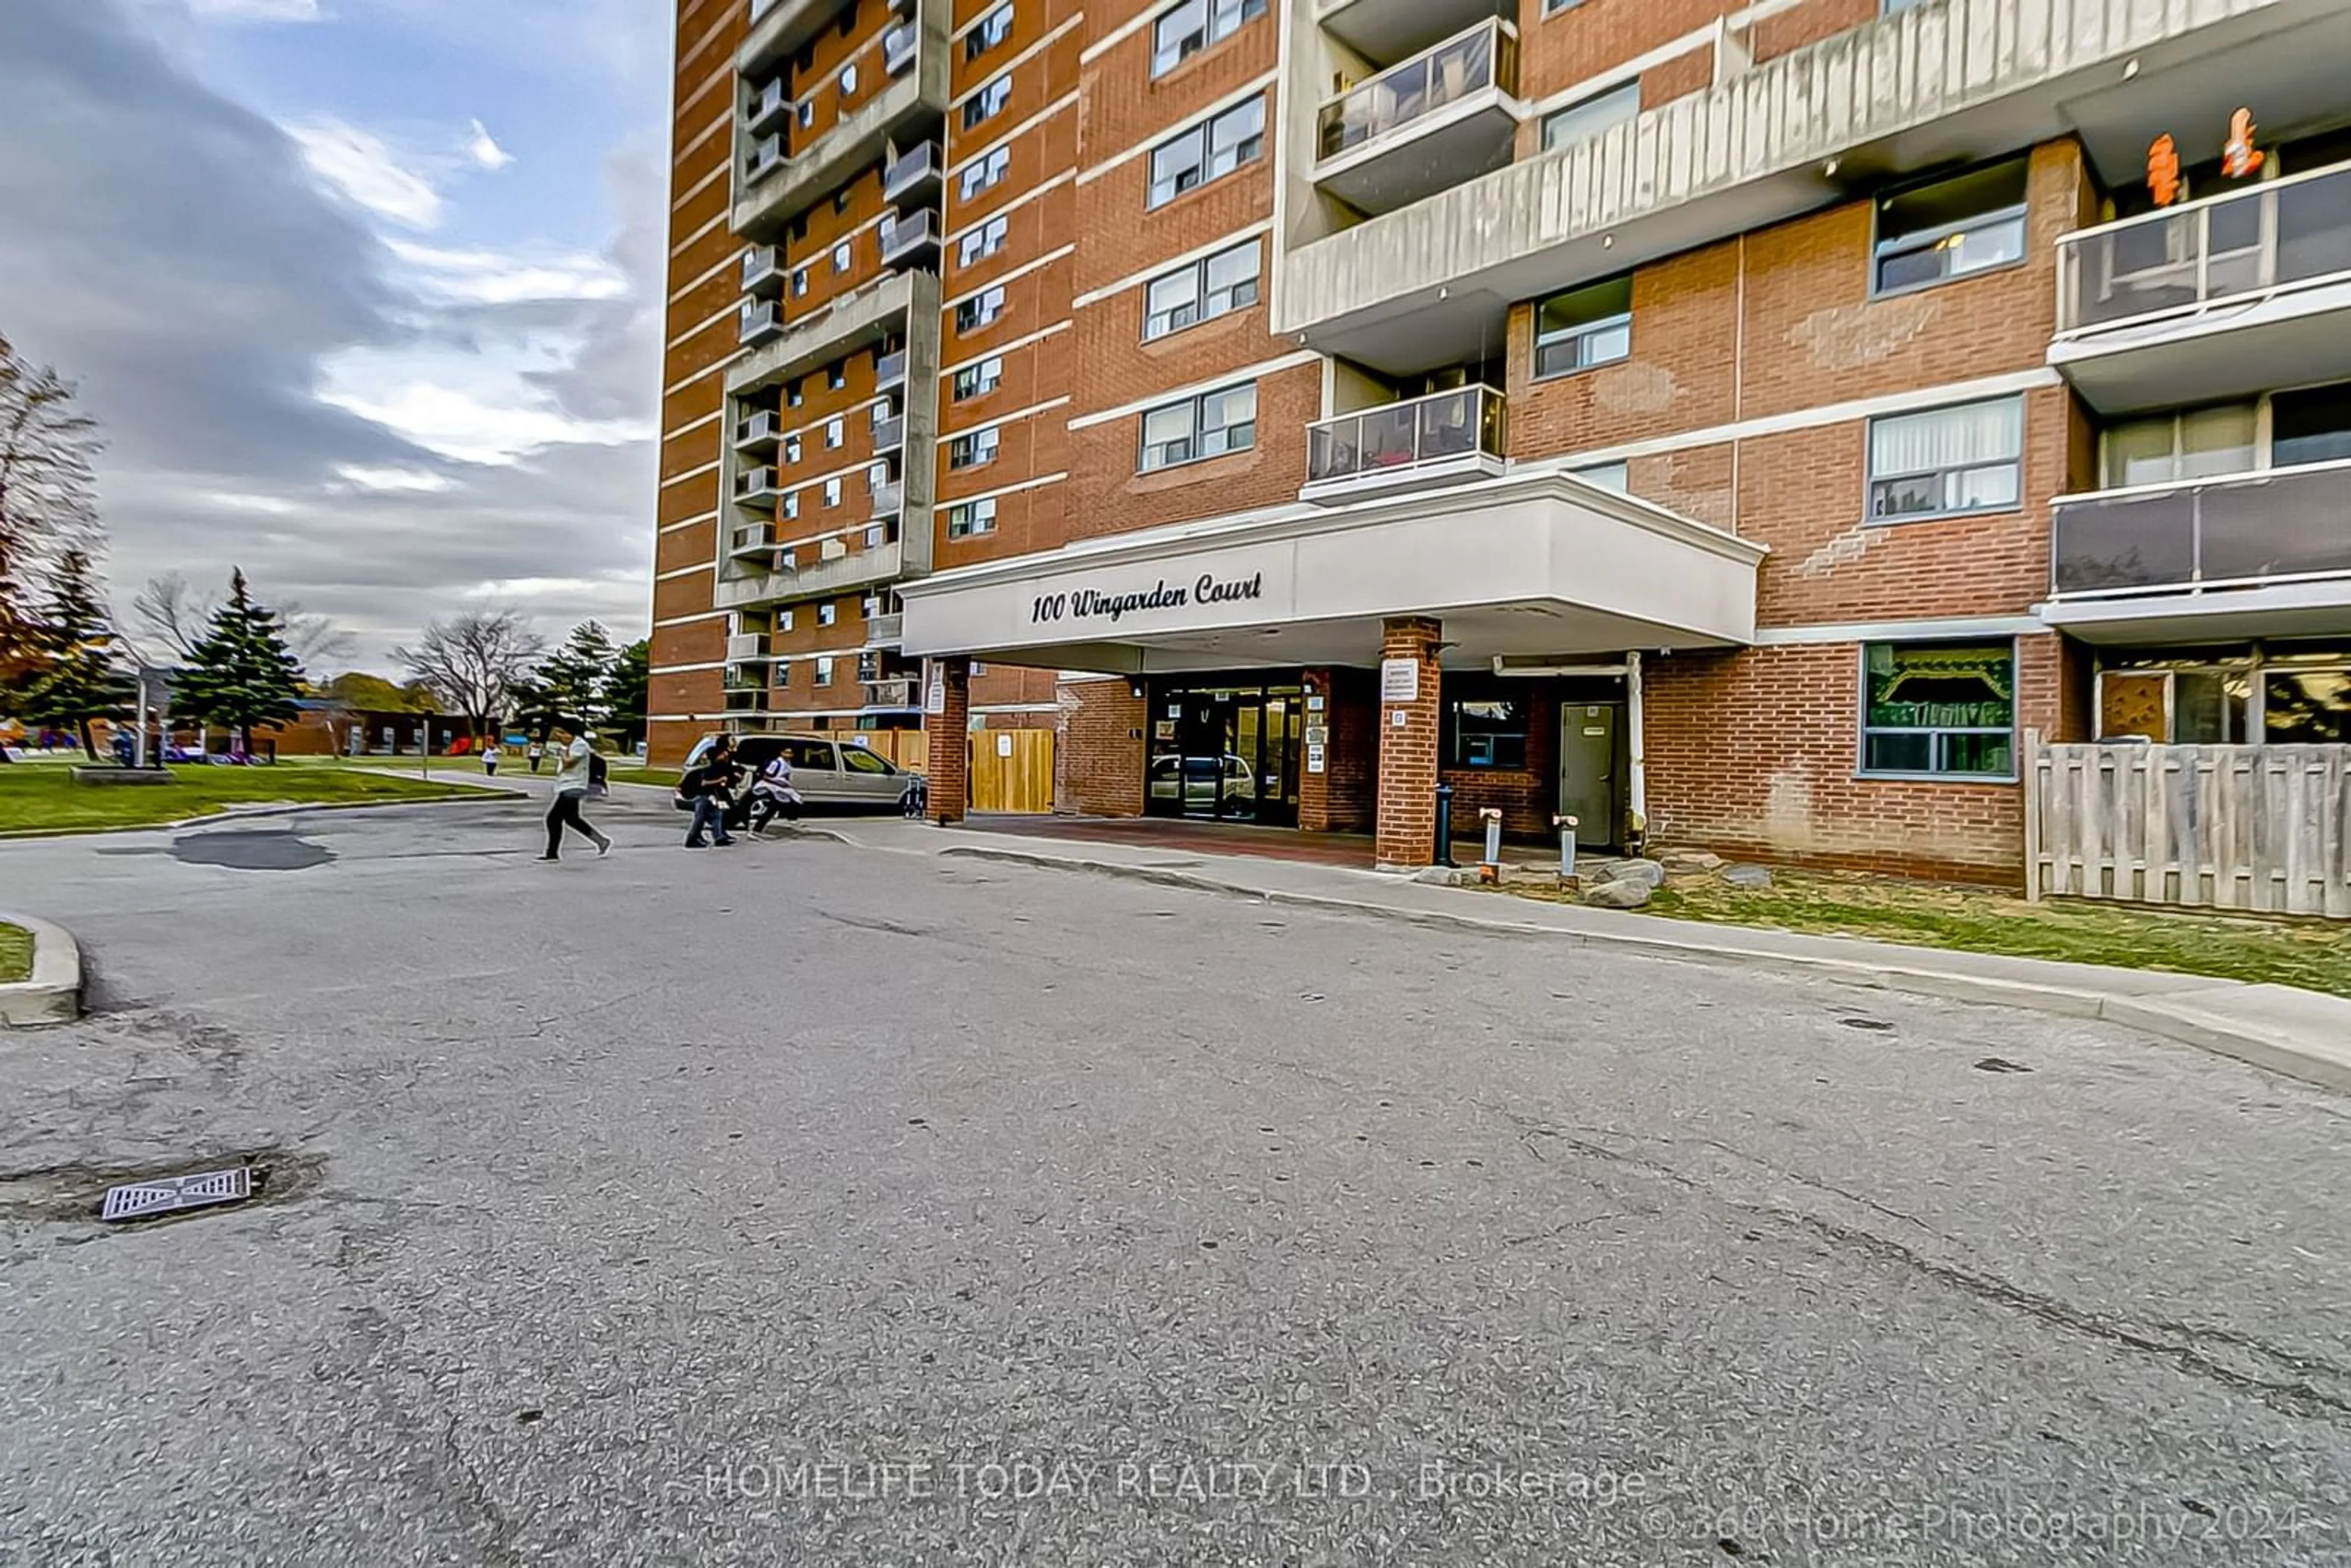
(2298,1033)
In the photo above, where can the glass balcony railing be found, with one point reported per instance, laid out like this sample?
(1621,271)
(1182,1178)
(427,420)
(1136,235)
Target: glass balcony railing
(1467,63)
(748,646)
(917,167)
(890,433)
(890,371)
(766,156)
(898,47)
(2235,531)
(1395,436)
(2275,235)
(904,234)
(762,265)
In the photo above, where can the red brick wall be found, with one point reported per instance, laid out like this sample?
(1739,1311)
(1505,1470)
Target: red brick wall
(1408,788)
(1098,749)
(947,740)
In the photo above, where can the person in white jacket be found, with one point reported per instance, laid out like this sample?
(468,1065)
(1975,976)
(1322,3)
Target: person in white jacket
(772,792)
(572,753)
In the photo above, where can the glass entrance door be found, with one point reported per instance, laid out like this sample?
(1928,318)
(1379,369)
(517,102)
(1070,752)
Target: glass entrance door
(1226,753)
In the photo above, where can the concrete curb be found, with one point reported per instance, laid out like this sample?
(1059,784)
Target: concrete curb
(2314,1047)
(53,994)
(240,813)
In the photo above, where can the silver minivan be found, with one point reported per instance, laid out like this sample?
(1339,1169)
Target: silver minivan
(835,774)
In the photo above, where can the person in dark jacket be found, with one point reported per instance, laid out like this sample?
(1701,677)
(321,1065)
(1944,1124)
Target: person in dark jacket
(711,789)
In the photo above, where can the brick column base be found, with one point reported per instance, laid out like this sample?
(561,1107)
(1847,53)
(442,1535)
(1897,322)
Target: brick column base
(946,734)
(1407,792)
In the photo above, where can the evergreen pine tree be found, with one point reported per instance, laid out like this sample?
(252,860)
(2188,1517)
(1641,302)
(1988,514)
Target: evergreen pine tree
(574,679)
(76,679)
(629,693)
(241,673)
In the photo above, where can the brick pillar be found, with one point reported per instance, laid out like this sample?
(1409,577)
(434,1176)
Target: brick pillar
(1407,791)
(946,734)
(1314,788)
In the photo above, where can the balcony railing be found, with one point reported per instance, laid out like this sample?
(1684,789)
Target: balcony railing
(757,321)
(745,678)
(888,498)
(890,371)
(767,107)
(742,700)
(2235,531)
(2276,234)
(748,646)
(1440,428)
(761,427)
(902,237)
(885,631)
(890,433)
(898,47)
(763,266)
(749,537)
(756,484)
(766,155)
(1465,63)
(917,167)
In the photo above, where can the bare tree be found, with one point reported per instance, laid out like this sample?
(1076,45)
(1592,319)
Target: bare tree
(473,661)
(48,489)
(168,610)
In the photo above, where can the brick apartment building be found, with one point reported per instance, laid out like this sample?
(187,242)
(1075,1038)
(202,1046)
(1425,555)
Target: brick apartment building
(1734,425)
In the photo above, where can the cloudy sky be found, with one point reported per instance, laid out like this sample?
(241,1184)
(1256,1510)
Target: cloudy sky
(366,293)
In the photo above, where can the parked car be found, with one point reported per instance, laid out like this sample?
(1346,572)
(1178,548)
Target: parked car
(1197,780)
(829,774)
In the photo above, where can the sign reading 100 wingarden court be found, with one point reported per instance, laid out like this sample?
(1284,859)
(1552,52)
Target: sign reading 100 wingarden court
(1092,605)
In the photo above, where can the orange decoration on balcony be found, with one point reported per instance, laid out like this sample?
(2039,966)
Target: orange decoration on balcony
(2163,169)
(2239,157)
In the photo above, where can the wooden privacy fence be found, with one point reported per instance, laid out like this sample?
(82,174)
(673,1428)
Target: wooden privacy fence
(2262,827)
(1012,771)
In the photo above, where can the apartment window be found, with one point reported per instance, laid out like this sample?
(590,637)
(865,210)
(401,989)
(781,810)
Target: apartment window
(791,505)
(800,281)
(805,113)
(1186,28)
(989,31)
(848,78)
(971,450)
(977,380)
(2313,425)
(877,474)
(836,376)
(1606,476)
(1553,8)
(832,492)
(840,256)
(783,624)
(832,431)
(984,105)
(826,614)
(1939,710)
(978,245)
(1488,734)
(1947,461)
(980,309)
(971,517)
(823,662)
(982,172)
(876,535)
(2193,444)
(1583,327)
(1199,427)
(1201,153)
(791,448)
(1205,289)
(841,200)
(793,397)
(1966,224)
(1581,121)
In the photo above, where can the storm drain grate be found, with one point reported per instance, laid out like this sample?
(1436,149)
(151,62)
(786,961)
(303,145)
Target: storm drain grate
(168,1194)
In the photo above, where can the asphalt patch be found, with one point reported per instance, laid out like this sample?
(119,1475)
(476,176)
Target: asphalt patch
(248,850)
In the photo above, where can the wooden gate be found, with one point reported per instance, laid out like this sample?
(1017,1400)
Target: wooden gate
(1012,771)
(907,747)
(2262,828)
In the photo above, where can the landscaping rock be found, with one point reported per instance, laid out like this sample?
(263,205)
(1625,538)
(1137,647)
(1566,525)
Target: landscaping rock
(1441,877)
(1749,876)
(1630,893)
(1681,861)
(1648,873)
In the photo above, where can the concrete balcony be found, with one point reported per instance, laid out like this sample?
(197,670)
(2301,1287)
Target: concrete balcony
(2266,554)
(769,192)
(759,431)
(890,434)
(763,272)
(884,631)
(758,323)
(816,578)
(745,699)
(897,691)
(1936,83)
(2218,298)
(1445,116)
(747,645)
(891,372)
(889,499)
(756,488)
(1442,439)
(896,305)
(779,27)
(744,678)
(750,539)
(767,108)
(914,174)
(1389,30)
(910,240)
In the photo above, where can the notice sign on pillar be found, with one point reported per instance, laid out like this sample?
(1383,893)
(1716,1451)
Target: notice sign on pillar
(935,698)
(1313,760)
(1399,680)
(1003,744)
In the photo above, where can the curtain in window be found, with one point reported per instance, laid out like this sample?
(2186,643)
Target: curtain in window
(1948,438)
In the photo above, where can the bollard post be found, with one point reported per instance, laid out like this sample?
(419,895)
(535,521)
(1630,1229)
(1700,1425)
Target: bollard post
(1493,817)
(1566,826)
(1444,825)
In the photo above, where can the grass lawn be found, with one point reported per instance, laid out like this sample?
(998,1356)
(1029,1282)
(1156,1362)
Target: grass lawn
(48,800)
(16,955)
(619,775)
(2312,953)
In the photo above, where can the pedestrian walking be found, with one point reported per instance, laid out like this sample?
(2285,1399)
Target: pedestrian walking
(772,794)
(710,788)
(570,788)
(490,760)
(534,752)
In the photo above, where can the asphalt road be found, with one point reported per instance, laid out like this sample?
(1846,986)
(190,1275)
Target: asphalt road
(795,1204)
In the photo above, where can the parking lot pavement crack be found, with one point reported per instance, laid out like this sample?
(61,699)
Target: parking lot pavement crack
(1785,1174)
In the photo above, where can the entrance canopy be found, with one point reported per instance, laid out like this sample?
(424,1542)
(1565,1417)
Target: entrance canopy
(1543,564)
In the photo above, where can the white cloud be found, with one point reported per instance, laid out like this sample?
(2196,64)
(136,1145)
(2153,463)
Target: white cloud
(482,149)
(397,481)
(364,169)
(255,10)
(489,423)
(488,277)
